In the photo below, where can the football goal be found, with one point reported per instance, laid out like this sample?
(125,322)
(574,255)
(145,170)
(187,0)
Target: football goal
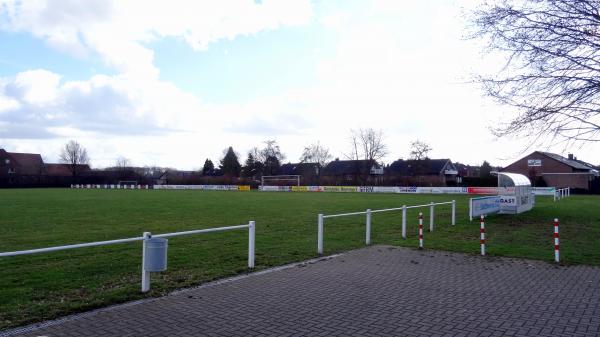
(280,180)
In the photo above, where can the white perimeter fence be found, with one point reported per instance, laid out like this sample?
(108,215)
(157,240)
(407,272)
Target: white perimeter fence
(562,193)
(321,220)
(146,239)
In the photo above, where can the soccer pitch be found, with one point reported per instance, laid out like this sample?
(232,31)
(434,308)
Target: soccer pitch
(44,286)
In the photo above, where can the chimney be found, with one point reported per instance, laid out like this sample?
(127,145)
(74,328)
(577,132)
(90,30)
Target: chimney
(570,156)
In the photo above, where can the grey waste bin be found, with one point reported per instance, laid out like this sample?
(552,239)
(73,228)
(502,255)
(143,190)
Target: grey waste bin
(156,254)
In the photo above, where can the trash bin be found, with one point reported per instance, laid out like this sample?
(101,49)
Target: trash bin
(156,254)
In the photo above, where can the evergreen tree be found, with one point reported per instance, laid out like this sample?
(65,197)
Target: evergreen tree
(252,167)
(271,165)
(485,170)
(209,167)
(230,166)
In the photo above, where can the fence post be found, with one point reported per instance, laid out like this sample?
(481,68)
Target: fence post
(555,195)
(420,230)
(453,212)
(470,209)
(251,238)
(368,234)
(482,235)
(145,274)
(320,235)
(556,242)
(404,221)
(431,215)
(568,191)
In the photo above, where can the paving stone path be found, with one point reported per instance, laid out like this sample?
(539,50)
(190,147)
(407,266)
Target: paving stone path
(376,291)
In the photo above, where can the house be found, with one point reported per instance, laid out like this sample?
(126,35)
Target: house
(433,172)
(556,170)
(356,171)
(301,169)
(12,163)
(65,170)
(468,170)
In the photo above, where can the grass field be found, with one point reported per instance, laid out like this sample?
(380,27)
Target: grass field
(38,287)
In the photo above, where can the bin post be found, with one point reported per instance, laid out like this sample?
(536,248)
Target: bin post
(431,215)
(453,212)
(145,273)
(404,221)
(251,236)
(368,230)
(420,230)
(320,235)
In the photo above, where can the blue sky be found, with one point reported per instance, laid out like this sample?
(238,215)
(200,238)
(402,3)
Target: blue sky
(172,84)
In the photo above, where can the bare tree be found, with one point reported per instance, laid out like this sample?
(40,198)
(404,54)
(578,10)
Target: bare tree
(368,145)
(74,155)
(315,153)
(419,150)
(552,72)
(122,163)
(271,157)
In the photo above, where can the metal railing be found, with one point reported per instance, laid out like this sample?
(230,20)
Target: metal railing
(321,219)
(147,236)
(562,193)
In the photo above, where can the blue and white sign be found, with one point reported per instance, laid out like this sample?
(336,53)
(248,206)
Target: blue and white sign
(483,206)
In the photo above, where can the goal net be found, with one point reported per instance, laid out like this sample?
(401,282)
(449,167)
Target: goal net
(280,180)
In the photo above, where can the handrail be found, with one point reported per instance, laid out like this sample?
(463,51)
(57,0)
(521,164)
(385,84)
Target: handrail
(369,212)
(147,236)
(386,209)
(110,242)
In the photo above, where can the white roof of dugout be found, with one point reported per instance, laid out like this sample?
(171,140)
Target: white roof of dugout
(506,179)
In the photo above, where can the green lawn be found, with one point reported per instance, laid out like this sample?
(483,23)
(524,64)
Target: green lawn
(44,286)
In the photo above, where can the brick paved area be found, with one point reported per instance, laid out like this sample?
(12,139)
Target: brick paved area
(377,291)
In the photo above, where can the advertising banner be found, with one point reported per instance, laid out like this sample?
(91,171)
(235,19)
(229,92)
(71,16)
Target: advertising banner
(482,190)
(203,187)
(551,191)
(483,206)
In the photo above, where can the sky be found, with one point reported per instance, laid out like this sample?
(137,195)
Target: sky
(171,83)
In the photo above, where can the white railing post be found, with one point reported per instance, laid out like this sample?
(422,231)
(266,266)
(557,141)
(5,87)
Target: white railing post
(482,235)
(556,242)
(471,209)
(251,237)
(453,212)
(368,230)
(555,195)
(145,274)
(431,215)
(404,221)
(320,235)
(568,191)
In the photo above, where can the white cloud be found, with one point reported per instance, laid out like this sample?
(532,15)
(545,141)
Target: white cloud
(117,29)
(397,65)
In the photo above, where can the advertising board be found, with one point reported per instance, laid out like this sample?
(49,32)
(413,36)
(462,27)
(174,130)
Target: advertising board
(483,206)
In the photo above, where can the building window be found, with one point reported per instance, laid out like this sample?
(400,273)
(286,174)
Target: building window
(7,161)
(11,170)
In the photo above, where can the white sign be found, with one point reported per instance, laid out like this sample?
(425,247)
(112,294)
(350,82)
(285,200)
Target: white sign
(534,162)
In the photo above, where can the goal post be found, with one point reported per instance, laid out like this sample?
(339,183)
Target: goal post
(128,182)
(294,179)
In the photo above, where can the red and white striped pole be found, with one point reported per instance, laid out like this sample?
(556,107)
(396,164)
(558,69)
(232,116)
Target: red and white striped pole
(420,230)
(482,236)
(556,242)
